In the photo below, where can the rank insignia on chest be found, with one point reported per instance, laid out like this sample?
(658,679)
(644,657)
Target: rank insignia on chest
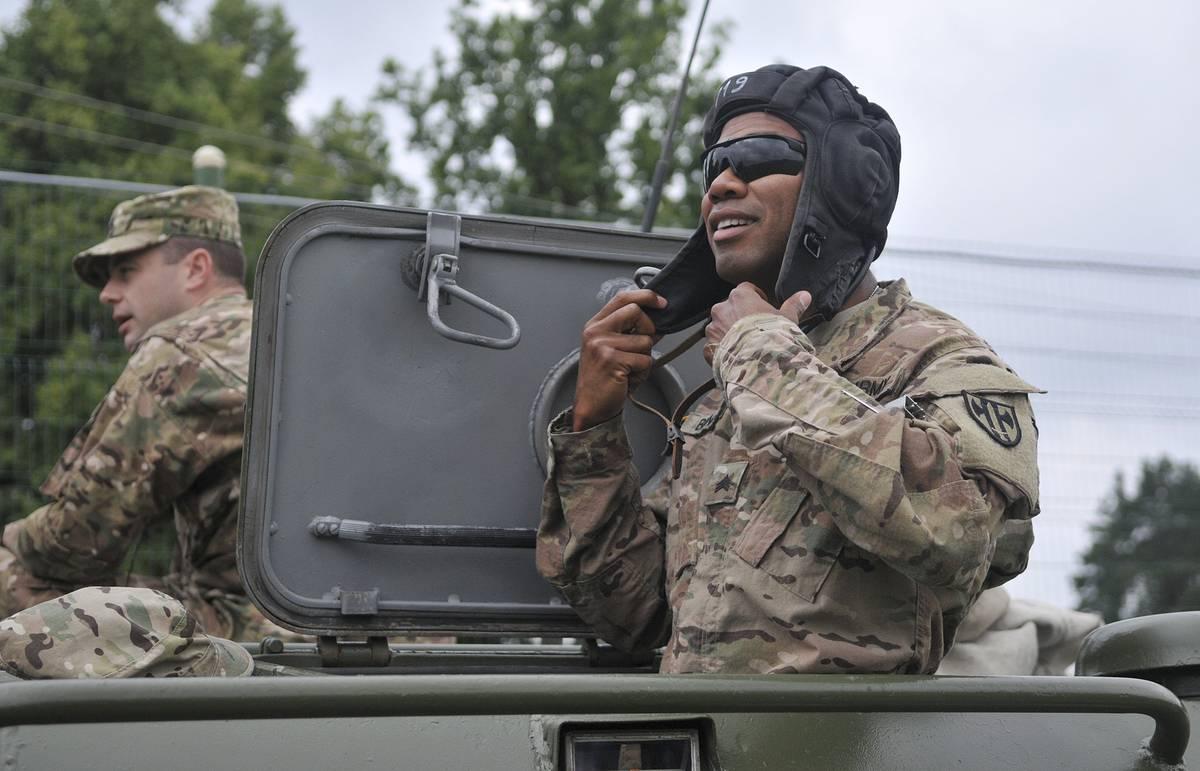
(999,420)
(723,483)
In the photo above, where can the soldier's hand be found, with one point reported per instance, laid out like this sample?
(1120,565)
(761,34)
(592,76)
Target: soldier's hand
(747,299)
(614,356)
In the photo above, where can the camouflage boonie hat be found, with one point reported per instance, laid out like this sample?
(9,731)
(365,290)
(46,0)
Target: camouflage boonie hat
(112,632)
(148,220)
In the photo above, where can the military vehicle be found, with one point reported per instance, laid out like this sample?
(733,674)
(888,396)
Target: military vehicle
(405,365)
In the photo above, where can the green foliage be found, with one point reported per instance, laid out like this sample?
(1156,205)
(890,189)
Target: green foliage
(229,85)
(112,88)
(63,397)
(560,111)
(61,392)
(1143,556)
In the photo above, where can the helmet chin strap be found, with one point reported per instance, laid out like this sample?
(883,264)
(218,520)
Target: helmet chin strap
(838,296)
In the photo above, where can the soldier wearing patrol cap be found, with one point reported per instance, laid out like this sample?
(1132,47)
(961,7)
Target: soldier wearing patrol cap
(167,438)
(861,466)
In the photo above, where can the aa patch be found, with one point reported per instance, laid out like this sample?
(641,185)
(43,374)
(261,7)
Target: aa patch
(996,418)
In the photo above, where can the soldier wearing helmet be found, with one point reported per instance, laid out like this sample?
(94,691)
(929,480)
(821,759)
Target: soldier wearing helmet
(861,466)
(167,438)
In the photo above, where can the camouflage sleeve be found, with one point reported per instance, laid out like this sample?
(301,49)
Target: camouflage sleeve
(158,428)
(598,542)
(896,485)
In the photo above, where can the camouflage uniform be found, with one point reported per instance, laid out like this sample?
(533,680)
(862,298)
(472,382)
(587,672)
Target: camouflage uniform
(166,438)
(115,632)
(844,497)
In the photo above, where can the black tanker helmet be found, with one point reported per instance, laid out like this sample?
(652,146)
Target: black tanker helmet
(851,177)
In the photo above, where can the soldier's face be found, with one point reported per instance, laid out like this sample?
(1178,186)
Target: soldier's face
(748,222)
(143,289)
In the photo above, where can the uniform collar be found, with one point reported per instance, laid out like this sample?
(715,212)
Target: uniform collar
(172,326)
(855,329)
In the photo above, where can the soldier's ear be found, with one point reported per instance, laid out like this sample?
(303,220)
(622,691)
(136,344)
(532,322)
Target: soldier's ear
(199,270)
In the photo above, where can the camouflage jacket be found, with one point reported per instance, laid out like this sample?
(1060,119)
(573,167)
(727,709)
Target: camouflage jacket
(166,438)
(844,497)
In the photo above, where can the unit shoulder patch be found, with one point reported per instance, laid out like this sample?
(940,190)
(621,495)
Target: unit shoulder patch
(998,419)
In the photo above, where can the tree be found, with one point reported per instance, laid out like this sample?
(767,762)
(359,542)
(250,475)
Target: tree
(1143,555)
(112,88)
(559,111)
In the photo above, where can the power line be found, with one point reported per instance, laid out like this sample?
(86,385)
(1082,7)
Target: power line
(88,135)
(1077,503)
(1102,314)
(171,121)
(1179,562)
(1077,353)
(1049,263)
(1143,414)
(149,148)
(1124,396)
(111,185)
(256,140)
(1089,457)
(1091,403)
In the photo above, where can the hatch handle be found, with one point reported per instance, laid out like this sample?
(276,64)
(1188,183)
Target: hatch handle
(440,273)
(422,535)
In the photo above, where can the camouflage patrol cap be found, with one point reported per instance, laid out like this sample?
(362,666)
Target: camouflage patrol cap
(148,220)
(112,632)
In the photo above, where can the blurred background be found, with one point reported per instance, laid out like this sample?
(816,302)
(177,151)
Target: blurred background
(1047,198)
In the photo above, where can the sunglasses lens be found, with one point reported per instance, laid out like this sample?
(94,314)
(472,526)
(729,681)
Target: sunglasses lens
(753,157)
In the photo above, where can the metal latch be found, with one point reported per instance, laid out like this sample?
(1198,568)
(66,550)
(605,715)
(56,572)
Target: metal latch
(438,270)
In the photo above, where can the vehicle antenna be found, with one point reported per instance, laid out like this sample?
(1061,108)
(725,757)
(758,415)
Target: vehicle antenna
(664,162)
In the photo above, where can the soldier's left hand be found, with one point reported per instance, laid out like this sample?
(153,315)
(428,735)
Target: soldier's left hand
(747,299)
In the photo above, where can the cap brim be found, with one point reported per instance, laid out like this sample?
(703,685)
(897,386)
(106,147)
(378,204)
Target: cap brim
(91,265)
(225,659)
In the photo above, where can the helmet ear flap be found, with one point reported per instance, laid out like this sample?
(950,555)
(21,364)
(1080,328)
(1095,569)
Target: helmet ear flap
(860,161)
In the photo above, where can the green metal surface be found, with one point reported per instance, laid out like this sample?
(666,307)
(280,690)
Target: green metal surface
(426,695)
(735,743)
(1142,645)
(420,743)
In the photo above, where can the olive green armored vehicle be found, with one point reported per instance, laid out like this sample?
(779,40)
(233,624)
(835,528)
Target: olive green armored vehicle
(405,366)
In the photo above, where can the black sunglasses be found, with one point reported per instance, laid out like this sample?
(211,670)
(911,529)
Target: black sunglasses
(754,156)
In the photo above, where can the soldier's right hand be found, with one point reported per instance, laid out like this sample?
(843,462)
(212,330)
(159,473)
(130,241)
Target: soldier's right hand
(614,356)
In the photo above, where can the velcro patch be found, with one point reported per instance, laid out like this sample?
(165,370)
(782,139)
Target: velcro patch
(724,482)
(998,419)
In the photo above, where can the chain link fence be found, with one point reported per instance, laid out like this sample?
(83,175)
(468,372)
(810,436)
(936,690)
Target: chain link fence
(59,349)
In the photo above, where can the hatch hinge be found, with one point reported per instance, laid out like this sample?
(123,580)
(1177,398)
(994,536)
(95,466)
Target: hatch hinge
(371,652)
